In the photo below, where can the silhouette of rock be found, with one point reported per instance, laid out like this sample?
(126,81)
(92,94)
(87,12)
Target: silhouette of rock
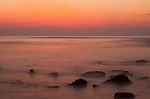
(54,74)
(122,72)
(94,74)
(31,71)
(141,61)
(79,83)
(124,95)
(119,79)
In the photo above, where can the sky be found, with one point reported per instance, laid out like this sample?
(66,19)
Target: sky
(75,17)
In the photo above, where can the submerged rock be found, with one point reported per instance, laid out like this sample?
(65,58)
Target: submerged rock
(141,61)
(23,84)
(54,74)
(79,83)
(122,72)
(144,78)
(94,74)
(55,86)
(31,71)
(95,86)
(99,62)
(17,82)
(124,95)
(119,79)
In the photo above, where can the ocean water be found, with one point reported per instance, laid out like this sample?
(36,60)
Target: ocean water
(71,57)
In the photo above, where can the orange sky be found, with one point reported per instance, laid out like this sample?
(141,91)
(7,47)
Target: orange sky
(74,13)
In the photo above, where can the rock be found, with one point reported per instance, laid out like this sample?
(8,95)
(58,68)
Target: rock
(17,82)
(121,72)
(95,86)
(56,86)
(99,62)
(79,83)
(124,95)
(22,84)
(54,74)
(144,78)
(119,79)
(31,71)
(94,74)
(141,61)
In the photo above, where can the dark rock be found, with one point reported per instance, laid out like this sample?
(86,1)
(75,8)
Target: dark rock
(94,74)
(80,83)
(121,72)
(141,61)
(124,95)
(99,62)
(119,79)
(54,74)
(31,71)
(95,86)
(111,76)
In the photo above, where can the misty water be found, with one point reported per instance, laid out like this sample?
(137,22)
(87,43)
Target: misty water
(71,57)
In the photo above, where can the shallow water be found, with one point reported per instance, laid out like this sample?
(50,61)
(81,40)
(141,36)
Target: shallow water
(71,56)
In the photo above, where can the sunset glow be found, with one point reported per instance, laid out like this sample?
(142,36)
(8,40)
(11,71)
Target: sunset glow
(74,13)
(65,13)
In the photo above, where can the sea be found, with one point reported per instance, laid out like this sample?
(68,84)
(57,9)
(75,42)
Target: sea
(70,57)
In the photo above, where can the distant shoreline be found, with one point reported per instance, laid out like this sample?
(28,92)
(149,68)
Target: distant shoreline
(74,37)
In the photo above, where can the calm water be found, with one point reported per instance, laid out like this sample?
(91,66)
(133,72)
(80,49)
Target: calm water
(71,57)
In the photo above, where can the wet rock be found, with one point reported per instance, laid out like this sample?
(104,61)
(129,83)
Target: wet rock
(79,83)
(141,61)
(54,74)
(119,79)
(122,72)
(94,74)
(55,86)
(124,95)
